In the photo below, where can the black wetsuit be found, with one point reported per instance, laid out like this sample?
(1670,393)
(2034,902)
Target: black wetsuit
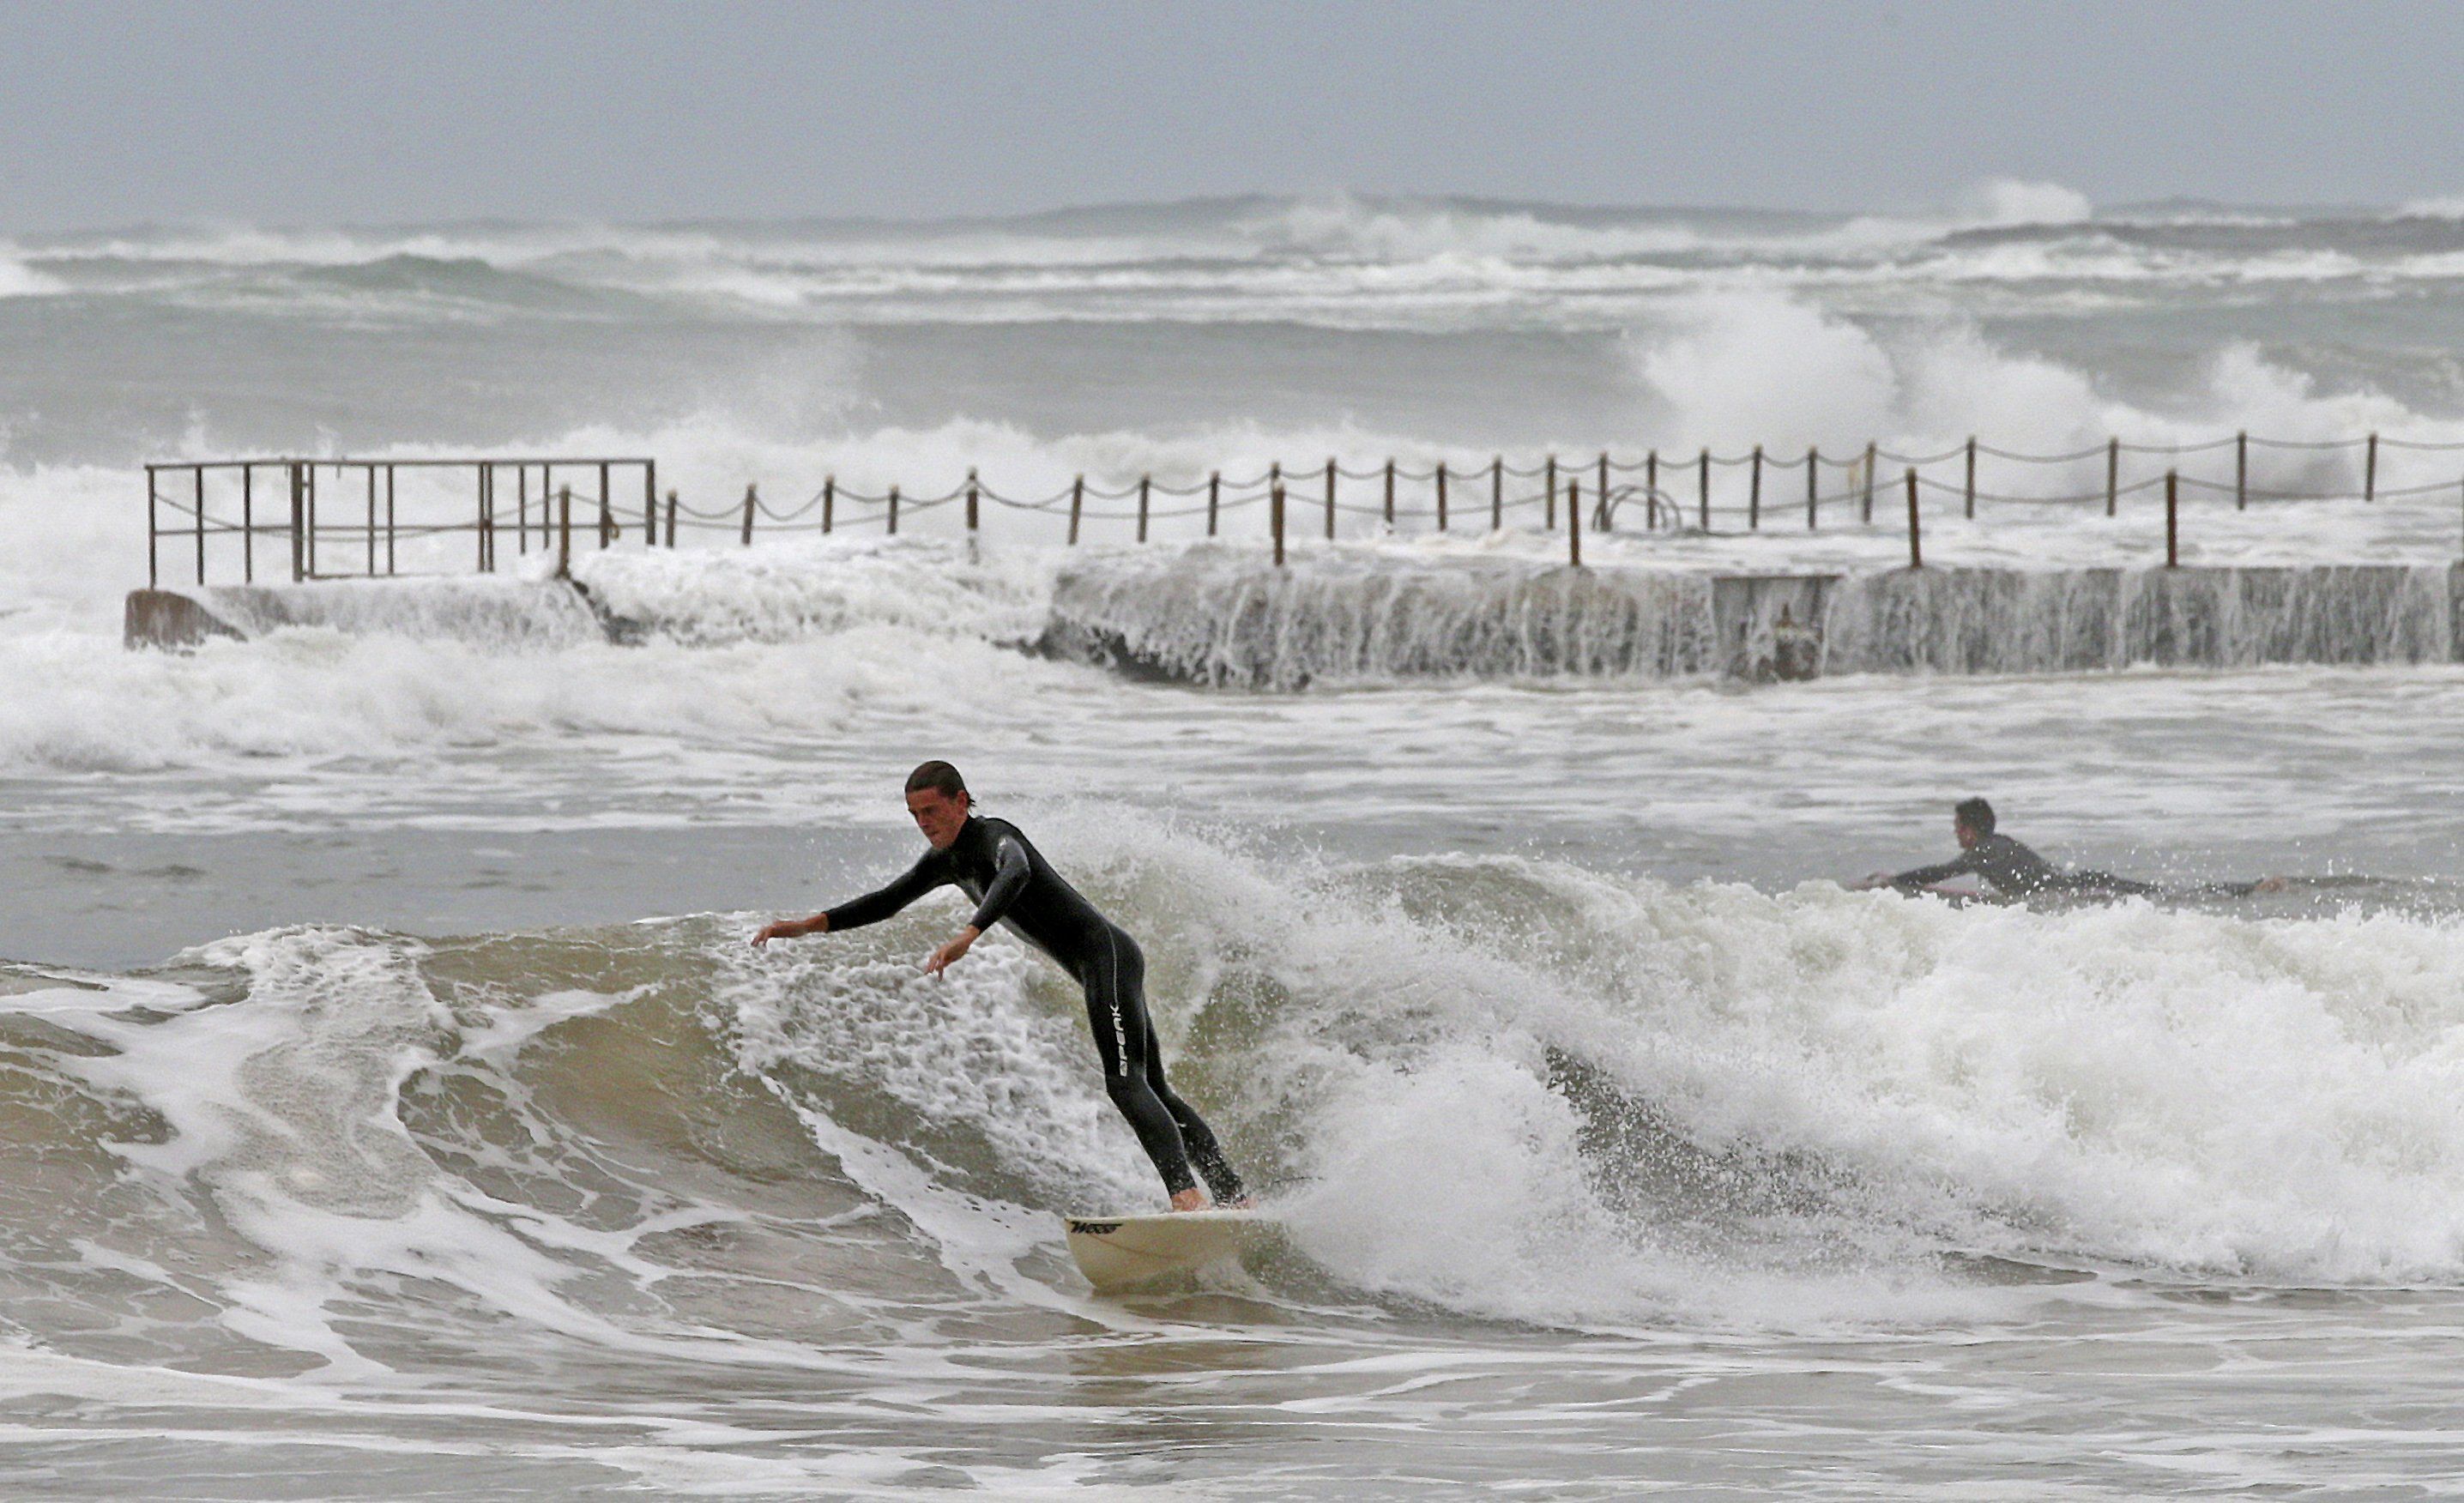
(2017,872)
(1011,882)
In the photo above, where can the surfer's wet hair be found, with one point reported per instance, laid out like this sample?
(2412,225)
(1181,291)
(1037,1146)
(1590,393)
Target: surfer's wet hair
(1975,813)
(941,777)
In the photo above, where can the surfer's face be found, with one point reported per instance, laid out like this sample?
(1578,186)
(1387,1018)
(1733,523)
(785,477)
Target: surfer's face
(937,814)
(1966,831)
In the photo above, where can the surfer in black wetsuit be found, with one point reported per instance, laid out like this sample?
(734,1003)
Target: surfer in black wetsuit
(1009,880)
(2016,872)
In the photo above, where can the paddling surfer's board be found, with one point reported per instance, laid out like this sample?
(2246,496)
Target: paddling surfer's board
(1125,1251)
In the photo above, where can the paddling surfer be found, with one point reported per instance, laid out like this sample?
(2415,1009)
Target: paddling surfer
(2014,870)
(1010,882)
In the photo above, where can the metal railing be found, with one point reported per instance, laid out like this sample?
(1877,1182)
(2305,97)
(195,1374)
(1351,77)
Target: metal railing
(347,517)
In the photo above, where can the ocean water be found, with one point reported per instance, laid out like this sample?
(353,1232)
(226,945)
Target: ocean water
(398,1110)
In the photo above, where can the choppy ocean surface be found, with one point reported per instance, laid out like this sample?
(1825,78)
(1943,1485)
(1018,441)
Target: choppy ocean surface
(396,1108)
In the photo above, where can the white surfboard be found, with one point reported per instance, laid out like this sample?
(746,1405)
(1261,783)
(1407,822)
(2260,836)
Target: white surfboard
(1125,1251)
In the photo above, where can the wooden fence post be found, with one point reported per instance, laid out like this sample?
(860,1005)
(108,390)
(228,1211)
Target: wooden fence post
(1972,478)
(1145,481)
(2241,470)
(752,494)
(200,473)
(487,505)
(1916,542)
(1077,505)
(1390,492)
(609,531)
(829,501)
(1651,490)
(521,510)
(248,523)
(487,516)
(1550,487)
(1496,493)
(974,520)
(565,530)
(1275,519)
(650,506)
(2370,471)
(1703,489)
(1442,495)
(2112,474)
(1600,501)
(389,518)
(1812,484)
(1870,456)
(1214,499)
(672,517)
(1754,495)
(1329,500)
(1574,522)
(893,508)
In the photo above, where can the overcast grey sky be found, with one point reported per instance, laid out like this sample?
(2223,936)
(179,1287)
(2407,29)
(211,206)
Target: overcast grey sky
(115,112)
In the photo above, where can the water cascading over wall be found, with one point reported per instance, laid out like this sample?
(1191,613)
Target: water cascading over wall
(1219,616)
(1228,618)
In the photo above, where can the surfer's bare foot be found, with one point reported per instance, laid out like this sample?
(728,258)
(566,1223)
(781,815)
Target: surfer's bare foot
(1189,1200)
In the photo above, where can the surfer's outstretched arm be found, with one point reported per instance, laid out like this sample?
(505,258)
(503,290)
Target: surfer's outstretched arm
(1960,864)
(872,908)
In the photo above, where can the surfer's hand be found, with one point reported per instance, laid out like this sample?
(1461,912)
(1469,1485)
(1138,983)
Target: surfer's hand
(1870,881)
(785,929)
(943,958)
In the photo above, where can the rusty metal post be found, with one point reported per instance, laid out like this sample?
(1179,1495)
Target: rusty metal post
(1754,496)
(1329,500)
(1574,523)
(1275,519)
(1972,478)
(153,530)
(1214,499)
(2241,470)
(1813,485)
(1442,495)
(1147,481)
(1705,489)
(298,525)
(2172,519)
(1077,505)
(2370,471)
(752,497)
(2112,475)
(1916,543)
